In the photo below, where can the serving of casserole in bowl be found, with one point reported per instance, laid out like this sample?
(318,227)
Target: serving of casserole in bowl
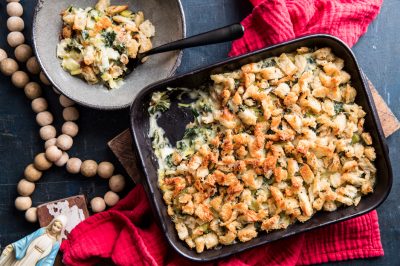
(260,147)
(84,47)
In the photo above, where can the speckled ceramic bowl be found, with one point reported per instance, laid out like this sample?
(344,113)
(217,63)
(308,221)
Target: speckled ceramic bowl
(168,19)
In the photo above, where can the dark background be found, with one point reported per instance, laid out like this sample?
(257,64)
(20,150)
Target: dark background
(377,52)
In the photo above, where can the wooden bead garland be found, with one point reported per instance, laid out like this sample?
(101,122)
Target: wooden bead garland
(15,24)
(55,147)
(70,128)
(23,52)
(44,118)
(89,168)
(50,142)
(47,132)
(105,170)
(8,66)
(117,183)
(19,79)
(33,90)
(74,165)
(63,160)
(41,162)
(31,215)
(53,153)
(39,105)
(14,9)
(64,142)
(98,204)
(111,198)
(25,187)
(32,174)
(33,66)
(15,38)
(23,203)
(3,55)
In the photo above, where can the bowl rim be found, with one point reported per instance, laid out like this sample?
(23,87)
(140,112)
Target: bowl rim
(150,189)
(38,7)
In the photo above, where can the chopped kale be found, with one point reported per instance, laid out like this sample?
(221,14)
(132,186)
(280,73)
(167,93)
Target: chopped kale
(181,145)
(268,63)
(159,103)
(85,34)
(191,133)
(195,113)
(72,48)
(120,48)
(168,160)
(310,60)
(205,108)
(109,37)
(338,107)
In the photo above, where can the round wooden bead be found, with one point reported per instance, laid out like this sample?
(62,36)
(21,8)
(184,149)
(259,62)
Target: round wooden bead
(8,66)
(41,163)
(47,132)
(33,90)
(15,24)
(44,79)
(39,105)
(98,204)
(74,165)
(33,65)
(64,142)
(49,143)
(19,79)
(117,183)
(63,160)
(23,203)
(89,168)
(44,118)
(32,174)
(25,188)
(15,38)
(70,114)
(66,102)
(3,54)
(53,153)
(23,52)
(31,215)
(56,91)
(15,9)
(70,128)
(111,198)
(105,170)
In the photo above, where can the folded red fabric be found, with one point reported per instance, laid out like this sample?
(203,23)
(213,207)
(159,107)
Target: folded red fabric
(275,21)
(128,235)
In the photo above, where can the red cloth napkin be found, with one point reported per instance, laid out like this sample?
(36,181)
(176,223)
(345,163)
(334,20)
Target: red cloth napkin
(128,234)
(275,21)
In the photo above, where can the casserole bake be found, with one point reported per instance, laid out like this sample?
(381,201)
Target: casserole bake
(175,120)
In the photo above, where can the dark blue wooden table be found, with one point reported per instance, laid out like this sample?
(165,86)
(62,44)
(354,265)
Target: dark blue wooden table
(377,53)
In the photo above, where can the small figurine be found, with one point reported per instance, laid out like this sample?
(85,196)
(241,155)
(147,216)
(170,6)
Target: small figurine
(39,248)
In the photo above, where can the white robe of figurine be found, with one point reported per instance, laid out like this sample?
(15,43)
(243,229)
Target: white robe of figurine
(39,248)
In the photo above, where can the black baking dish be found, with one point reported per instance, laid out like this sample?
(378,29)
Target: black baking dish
(174,121)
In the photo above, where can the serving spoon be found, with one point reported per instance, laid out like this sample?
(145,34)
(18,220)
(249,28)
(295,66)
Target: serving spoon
(224,34)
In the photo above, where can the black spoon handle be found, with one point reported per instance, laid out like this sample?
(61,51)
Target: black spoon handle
(225,34)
